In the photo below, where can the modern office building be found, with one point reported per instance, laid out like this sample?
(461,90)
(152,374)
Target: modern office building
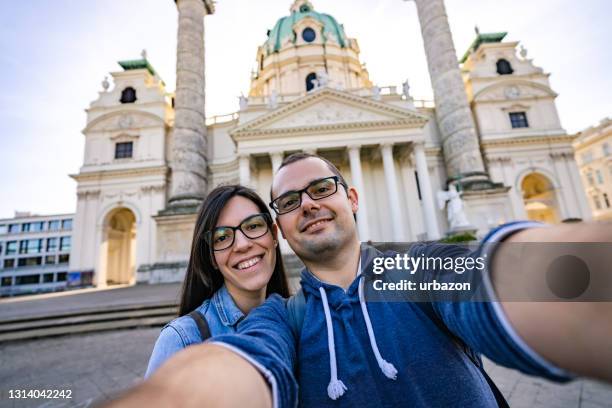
(35,254)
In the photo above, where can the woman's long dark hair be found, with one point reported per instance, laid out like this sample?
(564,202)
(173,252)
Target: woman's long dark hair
(202,279)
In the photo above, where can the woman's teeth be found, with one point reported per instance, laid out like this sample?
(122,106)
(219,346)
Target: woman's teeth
(249,262)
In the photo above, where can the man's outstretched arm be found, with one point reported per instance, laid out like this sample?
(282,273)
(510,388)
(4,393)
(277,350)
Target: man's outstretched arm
(576,336)
(205,375)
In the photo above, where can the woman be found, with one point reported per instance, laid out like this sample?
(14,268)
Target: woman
(235,264)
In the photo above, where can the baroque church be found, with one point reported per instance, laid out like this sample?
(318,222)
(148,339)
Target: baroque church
(492,136)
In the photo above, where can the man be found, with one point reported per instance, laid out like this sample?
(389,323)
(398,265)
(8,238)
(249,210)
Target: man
(357,354)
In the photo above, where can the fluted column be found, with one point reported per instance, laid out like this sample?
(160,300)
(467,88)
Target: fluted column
(427,197)
(277,160)
(391,182)
(459,137)
(189,140)
(357,176)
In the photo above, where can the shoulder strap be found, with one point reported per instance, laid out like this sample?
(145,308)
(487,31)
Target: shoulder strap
(296,306)
(201,323)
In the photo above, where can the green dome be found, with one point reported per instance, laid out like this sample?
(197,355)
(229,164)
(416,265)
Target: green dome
(284,28)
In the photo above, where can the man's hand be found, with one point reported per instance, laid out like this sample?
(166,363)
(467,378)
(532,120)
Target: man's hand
(205,375)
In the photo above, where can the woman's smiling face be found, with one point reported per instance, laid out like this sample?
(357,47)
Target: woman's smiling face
(247,265)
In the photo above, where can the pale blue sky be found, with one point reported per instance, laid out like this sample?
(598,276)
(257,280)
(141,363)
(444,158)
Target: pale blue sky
(53,56)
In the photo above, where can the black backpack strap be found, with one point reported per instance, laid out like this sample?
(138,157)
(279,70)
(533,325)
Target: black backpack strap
(201,323)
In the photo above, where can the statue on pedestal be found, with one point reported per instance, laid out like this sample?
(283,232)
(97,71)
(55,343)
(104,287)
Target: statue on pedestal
(451,199)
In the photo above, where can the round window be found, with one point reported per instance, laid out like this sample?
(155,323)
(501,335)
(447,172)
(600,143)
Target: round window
(309,34)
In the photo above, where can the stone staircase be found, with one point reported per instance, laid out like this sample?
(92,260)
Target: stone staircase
(85,321)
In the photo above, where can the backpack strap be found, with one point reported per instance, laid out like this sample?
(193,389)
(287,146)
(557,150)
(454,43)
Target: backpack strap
(201,323)
(296,306)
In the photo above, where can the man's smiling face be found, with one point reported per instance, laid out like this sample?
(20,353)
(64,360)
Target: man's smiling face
(316,227)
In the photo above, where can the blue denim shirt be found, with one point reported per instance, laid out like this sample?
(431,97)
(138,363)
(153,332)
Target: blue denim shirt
(221,314)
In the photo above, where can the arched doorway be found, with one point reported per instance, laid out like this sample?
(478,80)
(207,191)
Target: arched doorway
(120,234)
(539,198)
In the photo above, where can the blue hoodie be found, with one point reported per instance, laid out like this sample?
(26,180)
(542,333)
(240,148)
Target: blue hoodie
(382,354)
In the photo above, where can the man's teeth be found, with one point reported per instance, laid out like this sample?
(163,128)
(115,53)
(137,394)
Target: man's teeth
(249,262)
(317,223)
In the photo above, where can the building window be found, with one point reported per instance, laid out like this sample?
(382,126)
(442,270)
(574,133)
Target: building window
(600,179)
(7,281)
(518,120)
(27,279)
(606,200)
(128,95)
(590,179)
(597,202)
(61,277)
(13,228)
(11,248)
(587,157)
(50,260)
(51,244)
(37,226)
(65,244)
(34,246)
(309,35)
(31,261)
(309,81)
(3,229)
(123,150)
(67,224)
(23,247)
(606,149)
(63,258)
(47,278)
(25,227)
(1,247)
(504,67)
(9,263)
(54,225)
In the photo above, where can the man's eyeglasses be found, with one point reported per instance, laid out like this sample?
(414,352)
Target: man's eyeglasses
(252,227)
(316,190)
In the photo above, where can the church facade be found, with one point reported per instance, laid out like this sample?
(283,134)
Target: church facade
(493,134)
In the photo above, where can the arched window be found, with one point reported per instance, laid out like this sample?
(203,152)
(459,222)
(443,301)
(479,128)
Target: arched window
(309,81)
(128,95)
(504,67)
(309,35)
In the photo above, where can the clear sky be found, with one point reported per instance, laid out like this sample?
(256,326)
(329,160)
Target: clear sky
(54,54)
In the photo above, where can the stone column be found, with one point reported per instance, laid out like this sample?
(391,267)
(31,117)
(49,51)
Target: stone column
(244,169)
(427,195)
(189,141)
(277,159)
(357,176)
(459,138)
(391,181)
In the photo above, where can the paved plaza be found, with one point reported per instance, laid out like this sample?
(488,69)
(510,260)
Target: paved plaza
(96,366)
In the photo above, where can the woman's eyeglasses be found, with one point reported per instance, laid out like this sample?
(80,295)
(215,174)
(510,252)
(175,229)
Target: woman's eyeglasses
(252,227)
(316,190)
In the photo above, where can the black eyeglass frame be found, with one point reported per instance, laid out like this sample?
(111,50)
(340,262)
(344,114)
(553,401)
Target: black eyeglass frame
(208,236)
(273,204)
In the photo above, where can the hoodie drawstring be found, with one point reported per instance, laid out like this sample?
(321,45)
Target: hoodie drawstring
(336,388)
(387,368)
